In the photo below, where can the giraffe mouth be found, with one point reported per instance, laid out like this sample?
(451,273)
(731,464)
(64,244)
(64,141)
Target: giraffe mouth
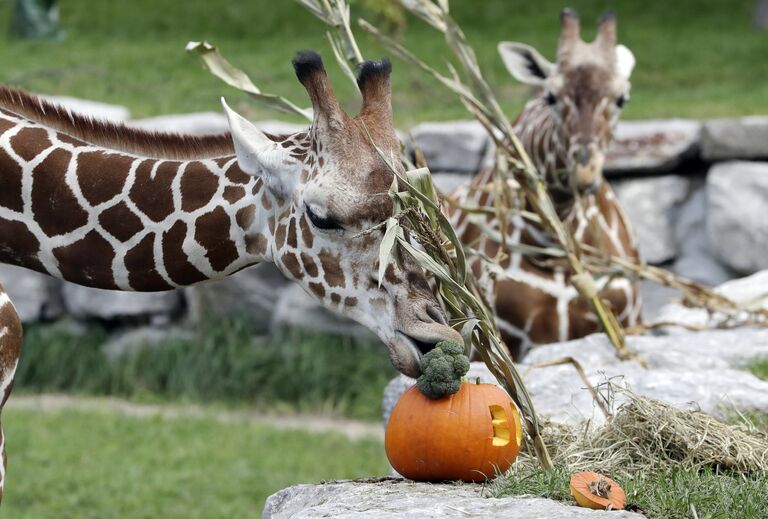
(421,346)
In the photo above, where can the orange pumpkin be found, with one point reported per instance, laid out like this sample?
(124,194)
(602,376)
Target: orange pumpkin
(593,490)
(470,436)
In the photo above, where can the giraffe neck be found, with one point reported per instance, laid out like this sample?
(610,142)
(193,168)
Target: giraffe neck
(111,219)
(540,132)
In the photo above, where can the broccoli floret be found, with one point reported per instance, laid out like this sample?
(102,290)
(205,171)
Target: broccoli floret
(442,369)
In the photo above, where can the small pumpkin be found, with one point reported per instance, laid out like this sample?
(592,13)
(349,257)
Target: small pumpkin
(471,435)
(593,490)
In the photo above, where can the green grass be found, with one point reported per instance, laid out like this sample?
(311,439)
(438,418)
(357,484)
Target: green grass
(760,368)
(665,494)
(696,58)
(102,465)
(222,363)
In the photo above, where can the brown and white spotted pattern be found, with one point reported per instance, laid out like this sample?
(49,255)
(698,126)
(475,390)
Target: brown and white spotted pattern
(110,207)
(566,130)
(10,347)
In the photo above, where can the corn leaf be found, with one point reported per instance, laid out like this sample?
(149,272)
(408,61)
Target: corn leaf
(233,76)
(386,249)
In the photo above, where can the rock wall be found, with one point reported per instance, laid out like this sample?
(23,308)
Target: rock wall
(695,203)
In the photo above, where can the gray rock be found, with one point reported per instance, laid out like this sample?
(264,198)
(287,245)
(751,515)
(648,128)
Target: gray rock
(200,123)
(252,293)
(655,297)
(95,109)
(297,309)
(653,145)
(651,205)
(690,370)
(401,499)
(34,295)
(276,127)
(455,146)
(447,182)
(736,225)
(695,260)
(743,138)
(93,303)
(750,291)
(130,340)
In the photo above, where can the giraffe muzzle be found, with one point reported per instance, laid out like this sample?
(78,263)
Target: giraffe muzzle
(587,162)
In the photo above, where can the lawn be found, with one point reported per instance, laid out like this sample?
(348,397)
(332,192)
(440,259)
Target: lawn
(222,362)
(696,58)
(100,464)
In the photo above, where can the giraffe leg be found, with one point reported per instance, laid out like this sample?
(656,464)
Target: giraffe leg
(10,348)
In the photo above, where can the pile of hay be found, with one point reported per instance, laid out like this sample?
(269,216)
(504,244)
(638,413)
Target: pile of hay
(646,434)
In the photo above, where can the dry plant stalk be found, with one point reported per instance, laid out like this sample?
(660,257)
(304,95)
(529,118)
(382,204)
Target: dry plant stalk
(479,99)
(418,219)
(233,76)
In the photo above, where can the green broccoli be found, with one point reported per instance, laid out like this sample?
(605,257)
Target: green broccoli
(442,369)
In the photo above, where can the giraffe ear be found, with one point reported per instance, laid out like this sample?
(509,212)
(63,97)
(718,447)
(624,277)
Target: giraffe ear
(525,63)
(258,155)
(625,61)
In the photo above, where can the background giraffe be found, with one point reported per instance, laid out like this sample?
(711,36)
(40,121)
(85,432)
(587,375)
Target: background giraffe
(106,206)
(566,130)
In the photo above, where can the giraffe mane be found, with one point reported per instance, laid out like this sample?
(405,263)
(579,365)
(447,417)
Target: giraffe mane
(116,136)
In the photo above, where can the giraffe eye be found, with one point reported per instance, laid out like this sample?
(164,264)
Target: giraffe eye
(328,224)
(622,100)
(550,99)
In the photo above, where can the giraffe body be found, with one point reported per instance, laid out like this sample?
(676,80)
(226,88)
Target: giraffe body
(111,207)
(10,348)
(565,130)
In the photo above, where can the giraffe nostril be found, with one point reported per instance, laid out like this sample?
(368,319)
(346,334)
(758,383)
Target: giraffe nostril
(436,314)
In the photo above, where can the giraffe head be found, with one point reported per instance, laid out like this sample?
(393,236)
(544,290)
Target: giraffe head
(586,89)
(327,194)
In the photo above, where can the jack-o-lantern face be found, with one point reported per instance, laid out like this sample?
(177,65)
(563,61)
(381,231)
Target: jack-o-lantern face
(470,436)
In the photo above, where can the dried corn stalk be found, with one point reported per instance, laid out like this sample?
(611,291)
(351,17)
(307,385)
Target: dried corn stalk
(477,97)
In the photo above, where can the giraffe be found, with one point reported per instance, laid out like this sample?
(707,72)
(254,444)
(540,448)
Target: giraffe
(565,129)
(107,206)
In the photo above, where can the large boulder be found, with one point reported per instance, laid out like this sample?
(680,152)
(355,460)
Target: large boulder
(94,109)
(743,138)
(695,259)
(129,340)
(87,303)
(651,205)
(751,292)
(252,293)
(297,309)
(200,123)
(35,296)
(276,127)
(652,146)
(396,498)
(690,370)
(736,224)
(447,182)
(454,146)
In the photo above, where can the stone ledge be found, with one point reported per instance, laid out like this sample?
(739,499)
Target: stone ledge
(399,498)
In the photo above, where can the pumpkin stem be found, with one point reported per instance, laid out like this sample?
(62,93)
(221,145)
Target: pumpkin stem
(477,381)
(600,487)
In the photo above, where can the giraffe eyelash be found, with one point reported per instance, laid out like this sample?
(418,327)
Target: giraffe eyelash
(326,224)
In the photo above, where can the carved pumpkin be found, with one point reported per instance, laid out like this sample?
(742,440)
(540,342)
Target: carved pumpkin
(470,436)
